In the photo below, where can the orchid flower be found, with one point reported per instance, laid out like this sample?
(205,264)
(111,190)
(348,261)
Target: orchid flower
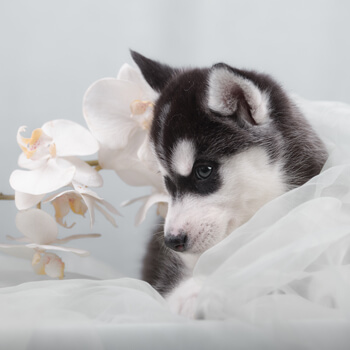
(119,114)
(48,264)
(79,201)
(40,231)
(49,155)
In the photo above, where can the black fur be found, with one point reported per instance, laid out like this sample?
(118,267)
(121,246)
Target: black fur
(182,112)
(162,267)
(156,74)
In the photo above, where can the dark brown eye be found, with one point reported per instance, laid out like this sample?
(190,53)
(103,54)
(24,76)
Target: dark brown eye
(203,172)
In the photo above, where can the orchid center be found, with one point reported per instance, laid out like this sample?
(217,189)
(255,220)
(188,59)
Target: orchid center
(77,205)
(30,145)
(66,202)
(36,146)
(139,108)
(52,150)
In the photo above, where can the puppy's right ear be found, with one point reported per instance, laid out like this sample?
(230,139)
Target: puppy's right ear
(156,74)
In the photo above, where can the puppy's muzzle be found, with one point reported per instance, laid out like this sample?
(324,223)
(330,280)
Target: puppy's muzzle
(176,242)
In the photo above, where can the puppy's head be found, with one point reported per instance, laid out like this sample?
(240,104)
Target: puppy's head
(214,140)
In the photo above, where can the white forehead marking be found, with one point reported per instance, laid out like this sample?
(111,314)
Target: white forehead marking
(183,157)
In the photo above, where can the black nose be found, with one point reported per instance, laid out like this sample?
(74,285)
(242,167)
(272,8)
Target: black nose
(177,243)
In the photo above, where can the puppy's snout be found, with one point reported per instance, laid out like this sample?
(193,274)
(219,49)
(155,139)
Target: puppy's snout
(177,243)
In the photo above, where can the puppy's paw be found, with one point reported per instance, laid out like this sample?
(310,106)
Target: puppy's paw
(183,299)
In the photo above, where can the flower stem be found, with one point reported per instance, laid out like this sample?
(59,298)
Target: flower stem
(7,197)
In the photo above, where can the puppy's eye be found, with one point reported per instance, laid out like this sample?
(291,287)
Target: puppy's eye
(203,172)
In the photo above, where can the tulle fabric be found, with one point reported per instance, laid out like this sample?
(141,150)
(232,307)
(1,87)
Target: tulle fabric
(281,281)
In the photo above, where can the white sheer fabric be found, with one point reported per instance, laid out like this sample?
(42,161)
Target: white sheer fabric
(280,281)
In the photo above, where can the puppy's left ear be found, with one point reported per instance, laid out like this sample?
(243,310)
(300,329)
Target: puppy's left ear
(232,94)
(156,74)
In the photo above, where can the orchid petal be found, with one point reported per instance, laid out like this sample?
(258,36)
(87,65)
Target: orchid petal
(25,201)
(134,75)
(122,158)
(84,190)
(38,264)
(77,204)
(20,251)
(110,207)
(90,203)
(152,199)
(70,138)
(146,155)
(43,180)
(82,196)
(134,200)
(62,249)
(128,165)
(37,225)
(56,195)
(62,208)
(65,201)
(54,268)
(109,217)
(84,173)
(29,163)
(106,108)
(79,236)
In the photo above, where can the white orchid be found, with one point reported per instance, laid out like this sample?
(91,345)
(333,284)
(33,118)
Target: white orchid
(49,155)
(119,113)
(48,264)
(80,200)
(40,232)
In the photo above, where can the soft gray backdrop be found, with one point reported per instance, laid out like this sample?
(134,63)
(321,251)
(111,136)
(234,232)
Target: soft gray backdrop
(51,51)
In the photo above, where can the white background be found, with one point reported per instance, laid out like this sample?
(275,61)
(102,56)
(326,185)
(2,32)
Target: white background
(51,51)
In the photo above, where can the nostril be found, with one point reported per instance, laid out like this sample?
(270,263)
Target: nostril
(177,243)
(180,247)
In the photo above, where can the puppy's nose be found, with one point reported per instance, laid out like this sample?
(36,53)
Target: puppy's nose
(177,243)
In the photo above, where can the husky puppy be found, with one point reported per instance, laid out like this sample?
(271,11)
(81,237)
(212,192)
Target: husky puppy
(227,142)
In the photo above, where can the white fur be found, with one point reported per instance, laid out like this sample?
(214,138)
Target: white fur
(220,98)
(182,300)
(183,157)
(209,219)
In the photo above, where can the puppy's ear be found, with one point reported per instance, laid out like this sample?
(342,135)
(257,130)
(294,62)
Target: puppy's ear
(156,74)
(230,93)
